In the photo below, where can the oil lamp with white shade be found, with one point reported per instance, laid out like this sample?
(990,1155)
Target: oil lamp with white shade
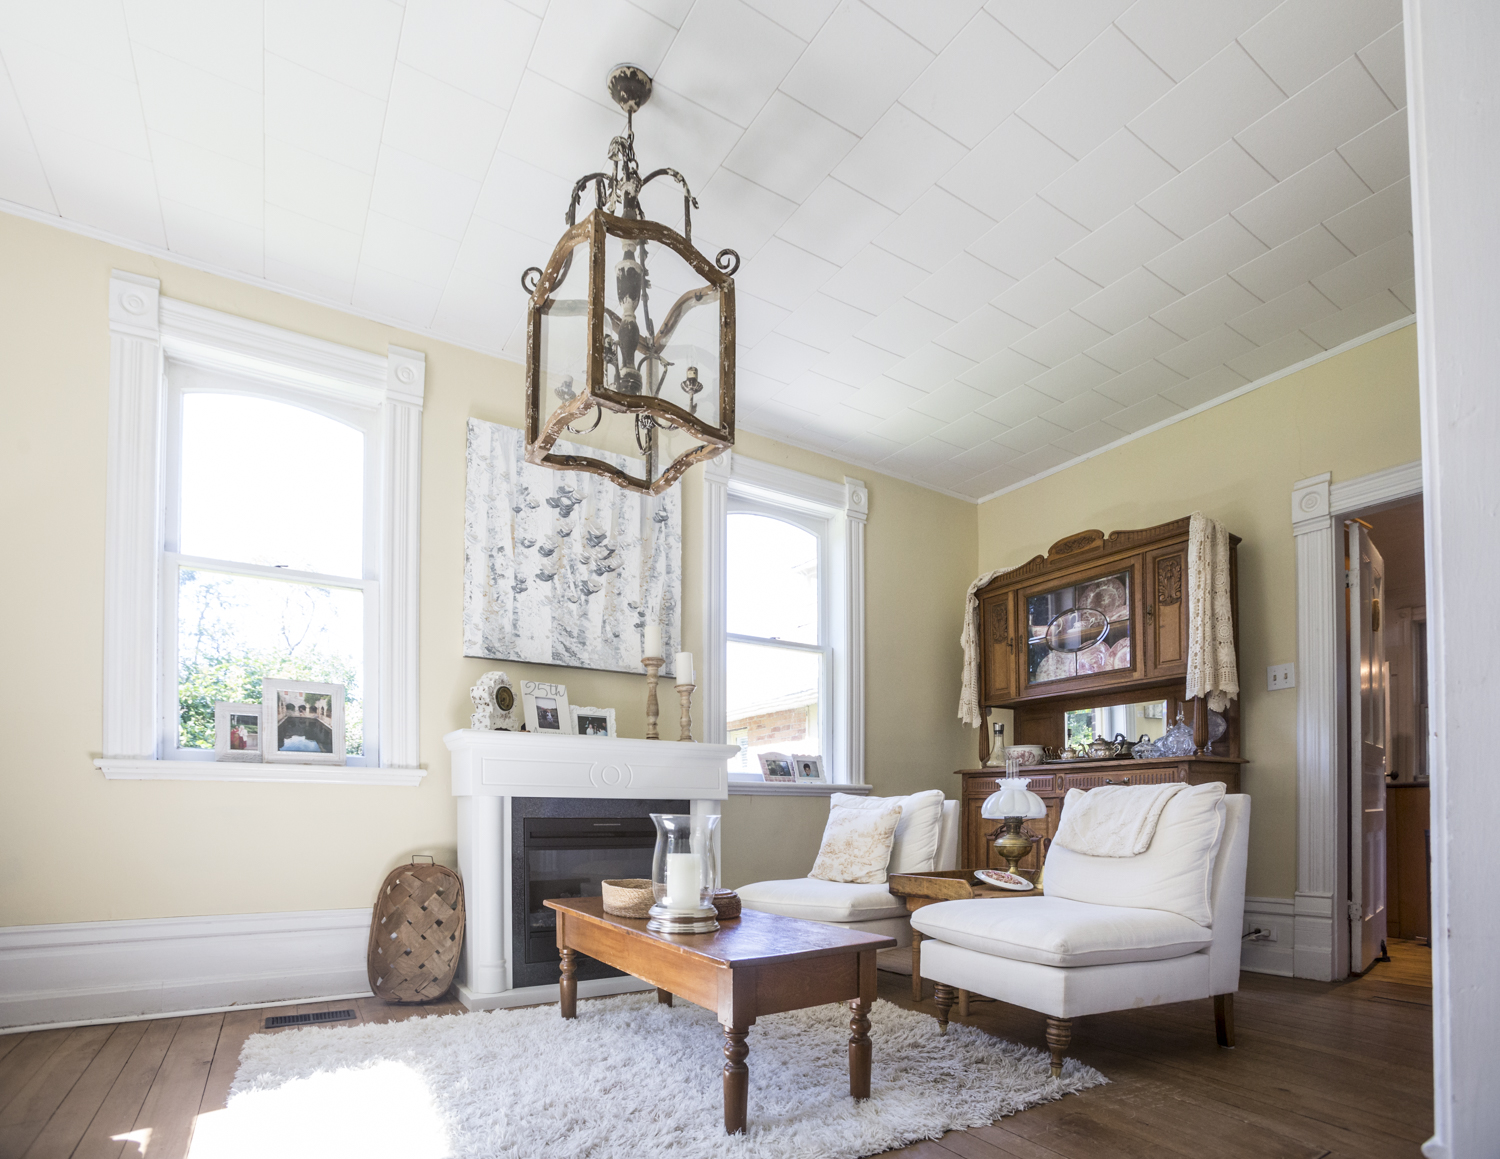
(1015,804)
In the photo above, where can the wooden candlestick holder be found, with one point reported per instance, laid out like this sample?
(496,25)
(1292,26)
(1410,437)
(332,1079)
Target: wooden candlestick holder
(685,692)
(653,710)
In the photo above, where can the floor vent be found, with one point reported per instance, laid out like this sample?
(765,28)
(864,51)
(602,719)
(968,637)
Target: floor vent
(280,1020)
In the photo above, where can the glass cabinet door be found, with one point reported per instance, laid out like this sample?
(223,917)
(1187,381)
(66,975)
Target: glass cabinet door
(1083,629)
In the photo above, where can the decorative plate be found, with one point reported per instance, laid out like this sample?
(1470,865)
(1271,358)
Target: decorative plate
(1096,659)
(1120,654)
(1002,880)
(1055,666)
(1107,596)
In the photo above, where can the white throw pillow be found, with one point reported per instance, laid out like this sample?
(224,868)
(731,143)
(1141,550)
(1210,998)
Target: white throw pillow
(916,846)
(1175,874)
(857,845)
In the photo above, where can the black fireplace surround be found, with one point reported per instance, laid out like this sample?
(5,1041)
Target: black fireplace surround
(564,847)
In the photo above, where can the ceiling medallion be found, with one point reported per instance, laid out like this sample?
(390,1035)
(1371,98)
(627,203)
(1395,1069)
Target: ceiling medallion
(655,394)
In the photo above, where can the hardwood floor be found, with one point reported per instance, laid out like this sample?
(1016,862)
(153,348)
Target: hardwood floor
(1342,1071)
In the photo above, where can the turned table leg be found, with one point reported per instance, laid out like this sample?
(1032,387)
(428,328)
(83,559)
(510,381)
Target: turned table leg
(736,1079)
(567,984)
(859,1049)
(943,995)
(916,965)
(1059,1034)
(1224,1018)
(663,997)
(963,1003)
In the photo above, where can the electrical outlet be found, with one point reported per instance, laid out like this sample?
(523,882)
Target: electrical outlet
(1279,676)
(1257,933)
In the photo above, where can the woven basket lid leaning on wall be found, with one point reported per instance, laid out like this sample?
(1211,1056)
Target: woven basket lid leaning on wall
(416,933)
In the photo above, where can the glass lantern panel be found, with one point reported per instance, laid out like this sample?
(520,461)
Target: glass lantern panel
(563,349)
(661,341)
(1079,630)
(663,337)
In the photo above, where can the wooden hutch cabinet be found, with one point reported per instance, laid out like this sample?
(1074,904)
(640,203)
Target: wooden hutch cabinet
(1094,631)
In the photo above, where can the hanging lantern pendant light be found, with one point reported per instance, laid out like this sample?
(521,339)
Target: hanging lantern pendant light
(587,353)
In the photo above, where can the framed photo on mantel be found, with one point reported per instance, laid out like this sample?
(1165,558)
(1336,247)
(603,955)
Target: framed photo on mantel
(594,721)
(546,708)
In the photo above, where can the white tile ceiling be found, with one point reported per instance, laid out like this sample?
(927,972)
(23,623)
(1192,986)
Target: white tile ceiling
(979,239)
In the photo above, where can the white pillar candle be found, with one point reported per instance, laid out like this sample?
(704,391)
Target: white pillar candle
(684,881)
(684,668)
(653,639)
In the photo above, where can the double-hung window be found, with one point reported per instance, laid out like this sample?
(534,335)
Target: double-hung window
(784,638)
(267,564)
(778,658)
(263,521)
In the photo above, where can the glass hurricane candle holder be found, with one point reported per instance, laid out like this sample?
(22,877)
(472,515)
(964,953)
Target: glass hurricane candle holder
(684,874)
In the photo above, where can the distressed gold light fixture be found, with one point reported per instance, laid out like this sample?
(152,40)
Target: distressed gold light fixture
(633,398)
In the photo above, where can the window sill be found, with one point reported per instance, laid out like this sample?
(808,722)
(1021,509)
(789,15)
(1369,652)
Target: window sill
(138,769)
(773,789)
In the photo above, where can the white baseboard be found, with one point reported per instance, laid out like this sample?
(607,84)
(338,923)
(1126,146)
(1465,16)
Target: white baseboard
(110,971)
(1275,954)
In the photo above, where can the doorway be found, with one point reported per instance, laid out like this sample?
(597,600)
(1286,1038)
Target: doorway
(1403,888)
(1322,923)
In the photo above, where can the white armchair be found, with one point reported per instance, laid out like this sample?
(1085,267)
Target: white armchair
(869,908)
(1087,953)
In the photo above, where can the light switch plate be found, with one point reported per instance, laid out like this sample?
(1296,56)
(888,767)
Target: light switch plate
(1279,676)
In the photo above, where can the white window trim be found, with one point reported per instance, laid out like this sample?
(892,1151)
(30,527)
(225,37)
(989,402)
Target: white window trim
(845,505)
(145,329)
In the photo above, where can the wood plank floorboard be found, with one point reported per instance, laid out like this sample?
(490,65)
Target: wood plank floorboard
(238,1026)
(171,1106)
(30,1054)
(65,1129)
(117,1113)
(25,1115)
(1321,1071)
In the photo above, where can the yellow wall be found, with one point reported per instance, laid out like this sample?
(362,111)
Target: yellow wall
(74,847)
(1351,415)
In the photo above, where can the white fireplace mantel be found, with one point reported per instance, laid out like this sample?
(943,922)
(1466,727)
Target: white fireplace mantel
(491,768)
(528,764)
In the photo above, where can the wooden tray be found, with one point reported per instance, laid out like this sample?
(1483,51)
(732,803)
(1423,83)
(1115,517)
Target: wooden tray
(952,885)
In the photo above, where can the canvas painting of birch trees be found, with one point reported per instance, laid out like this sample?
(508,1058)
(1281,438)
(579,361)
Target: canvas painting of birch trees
(563,567)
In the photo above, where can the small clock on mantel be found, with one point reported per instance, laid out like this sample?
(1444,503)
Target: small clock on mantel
(494,704)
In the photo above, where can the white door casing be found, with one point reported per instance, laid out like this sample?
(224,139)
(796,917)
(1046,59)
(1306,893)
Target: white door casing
(1320,929)
(1368,743)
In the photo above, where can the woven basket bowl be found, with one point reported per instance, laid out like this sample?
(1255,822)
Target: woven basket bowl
(727,904)
(628,897)
(416,933)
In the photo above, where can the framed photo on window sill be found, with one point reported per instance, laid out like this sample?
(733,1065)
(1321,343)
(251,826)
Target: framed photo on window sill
(776,767)
(236,731)
(808,770)
(302,722)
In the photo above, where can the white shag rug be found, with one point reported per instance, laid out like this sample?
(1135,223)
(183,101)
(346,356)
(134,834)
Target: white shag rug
(627,1078)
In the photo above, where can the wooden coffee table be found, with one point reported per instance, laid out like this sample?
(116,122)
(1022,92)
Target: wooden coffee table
(754,965)
(919,889)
